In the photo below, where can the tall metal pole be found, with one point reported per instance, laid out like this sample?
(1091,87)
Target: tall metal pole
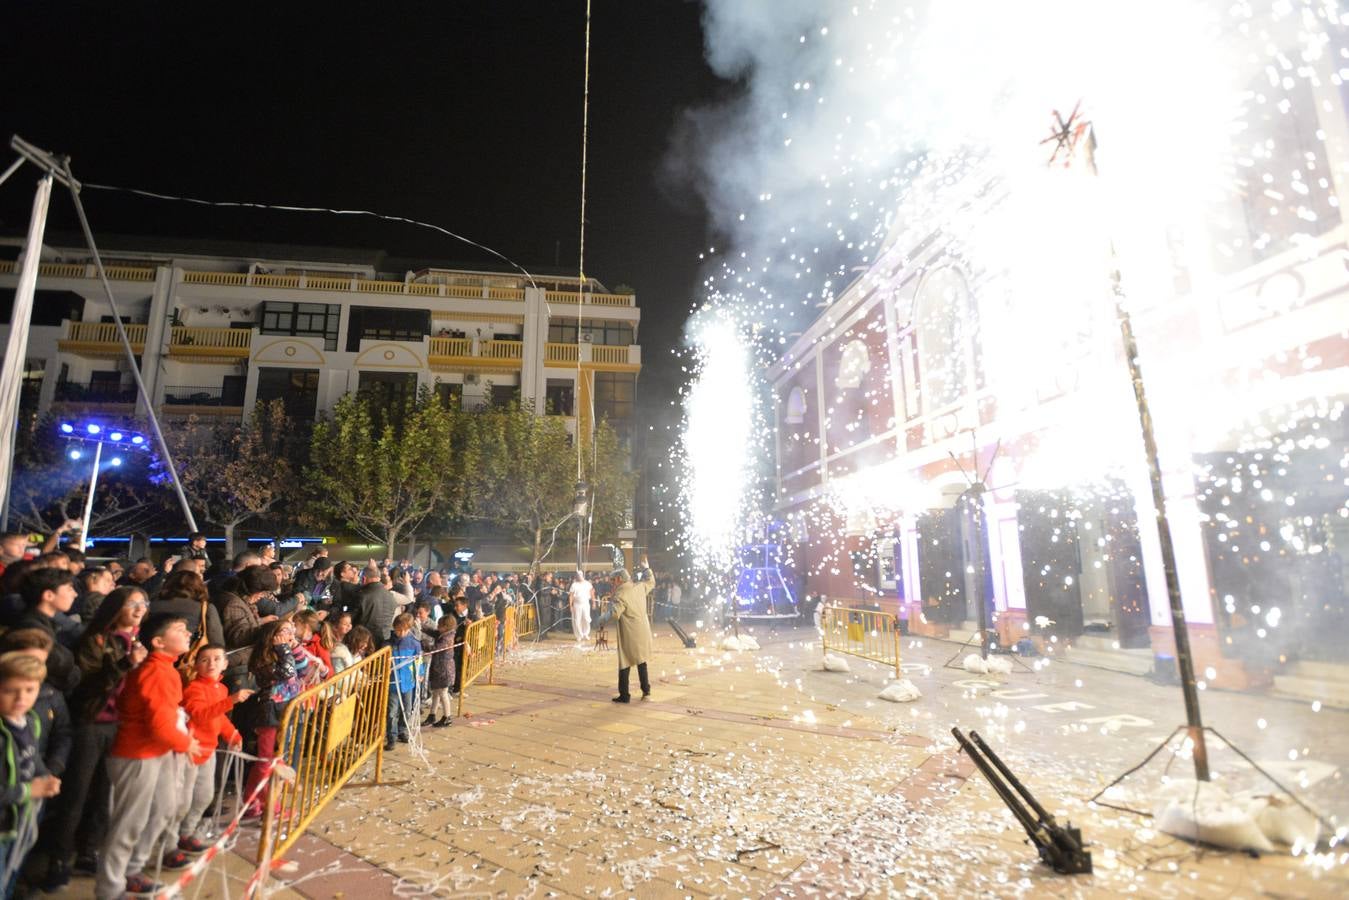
(16,346)
(130,354)
(89,500)
(1184,658)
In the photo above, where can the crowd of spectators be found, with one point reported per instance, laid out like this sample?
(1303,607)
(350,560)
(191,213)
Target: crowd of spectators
(120,681)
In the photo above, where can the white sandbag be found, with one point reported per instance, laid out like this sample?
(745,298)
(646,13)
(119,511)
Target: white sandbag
(748,643)
(1211,817)
(834,663)
(994,665)
(731,642)
(1283,821)
(902,691)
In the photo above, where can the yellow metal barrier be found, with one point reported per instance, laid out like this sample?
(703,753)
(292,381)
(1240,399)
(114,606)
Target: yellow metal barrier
(863,633)
(327,733)
(527,621)
(479,655)
(508,635)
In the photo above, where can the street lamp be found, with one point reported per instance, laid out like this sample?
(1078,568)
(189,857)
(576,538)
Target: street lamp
(85,433)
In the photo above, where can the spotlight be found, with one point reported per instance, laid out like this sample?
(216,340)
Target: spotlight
(137,440)
(93,428)
(75,454)
(116,436)
(117,460)
(67,428)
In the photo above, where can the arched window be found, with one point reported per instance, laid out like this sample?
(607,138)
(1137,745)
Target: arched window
(945,327)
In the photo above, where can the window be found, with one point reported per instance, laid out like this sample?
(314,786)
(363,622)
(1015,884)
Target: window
(390,389)
(451,396)
(614,400)
(944,319)
(612,334)
(373,323)
(33,371)
(559,396)
(297,388)
(319,320)
(505,394)
(563,331)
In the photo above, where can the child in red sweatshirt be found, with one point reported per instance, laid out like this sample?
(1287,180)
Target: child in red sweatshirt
(145,764)
(208,703)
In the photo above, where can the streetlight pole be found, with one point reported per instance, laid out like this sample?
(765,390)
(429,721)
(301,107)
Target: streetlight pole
(89,500)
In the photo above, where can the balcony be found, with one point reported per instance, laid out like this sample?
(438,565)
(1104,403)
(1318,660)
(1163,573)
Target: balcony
(94,396)
(203,400)
(85,270)
(99,339)
(467,288)
(209,344)
(589,299)
(456,354)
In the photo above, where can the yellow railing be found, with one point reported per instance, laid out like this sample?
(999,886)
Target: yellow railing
(502,349)
(527,620)
(326,734)
(590,299)
(508,635)
(447,346)
(81,270)
(189,340)
(603,354)
(863,633)
(102,333)
(232,279)
(563,353)
(480,647)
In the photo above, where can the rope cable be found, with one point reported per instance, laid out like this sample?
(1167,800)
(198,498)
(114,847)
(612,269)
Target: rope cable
(277,207)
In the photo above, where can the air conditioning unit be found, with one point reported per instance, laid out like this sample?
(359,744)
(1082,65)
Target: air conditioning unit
(587,337)
(470,378)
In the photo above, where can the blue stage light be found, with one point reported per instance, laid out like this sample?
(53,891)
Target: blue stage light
(67,428)
(93,428)
(137,440)
(117,460)
(75,454)
(116,436)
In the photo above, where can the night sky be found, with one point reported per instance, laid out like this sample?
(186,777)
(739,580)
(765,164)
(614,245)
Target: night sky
(464,114)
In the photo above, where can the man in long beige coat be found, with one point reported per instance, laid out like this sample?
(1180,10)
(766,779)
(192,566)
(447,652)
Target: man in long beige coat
(627,610)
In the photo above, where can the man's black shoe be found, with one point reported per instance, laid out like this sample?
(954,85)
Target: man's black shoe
(646,695)
(58,876)
(622,699)
(85,864)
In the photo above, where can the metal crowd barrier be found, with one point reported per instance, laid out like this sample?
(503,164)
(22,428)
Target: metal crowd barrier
(863,633)
(326,734)
(481,640)
(527,620)
(508,635)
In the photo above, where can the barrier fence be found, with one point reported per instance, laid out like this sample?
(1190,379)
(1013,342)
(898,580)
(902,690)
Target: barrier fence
(863,633)
(326,734)
(527,620)
(480,644)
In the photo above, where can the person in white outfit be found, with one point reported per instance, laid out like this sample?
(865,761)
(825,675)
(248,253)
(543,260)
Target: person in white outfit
(580,594)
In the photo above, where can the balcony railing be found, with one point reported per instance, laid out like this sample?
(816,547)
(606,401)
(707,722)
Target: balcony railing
(213,342)
(561,353)
(84,270)
(100,338)
(101,392)
(187,395)
(591,299)
(448,346)
(600,353)
(501,349)
(481,289)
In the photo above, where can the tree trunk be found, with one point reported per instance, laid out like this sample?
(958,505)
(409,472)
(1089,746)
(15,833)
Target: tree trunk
(229,542)
(390,537)
(538,545)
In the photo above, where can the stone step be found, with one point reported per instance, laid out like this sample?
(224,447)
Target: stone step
(1329,691)
(1130,661)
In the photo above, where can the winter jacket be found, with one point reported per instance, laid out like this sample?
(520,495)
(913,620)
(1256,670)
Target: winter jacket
(406,650)
(240,622)
(151,722)
(441,673)
(191,611)
(281,685)
(57,735)
(16,796)
(208,703)
(315,648)
(103,663)
(629,614)
(376,608)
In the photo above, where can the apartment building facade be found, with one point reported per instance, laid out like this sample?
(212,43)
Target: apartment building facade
(216,332)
